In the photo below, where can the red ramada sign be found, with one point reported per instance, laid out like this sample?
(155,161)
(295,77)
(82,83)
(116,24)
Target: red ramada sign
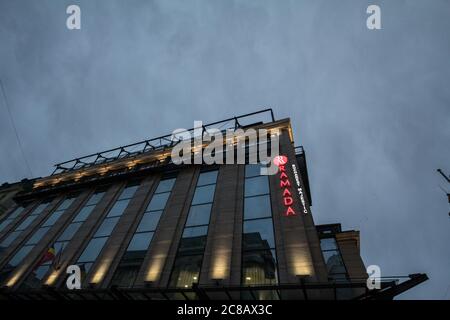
(285,185)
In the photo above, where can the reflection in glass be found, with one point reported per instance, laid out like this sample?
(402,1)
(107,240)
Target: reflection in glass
(199,215)
(258,234)
(208,177)
(203,194)
(186,271)
(158,201)
(257,207)
(256,186)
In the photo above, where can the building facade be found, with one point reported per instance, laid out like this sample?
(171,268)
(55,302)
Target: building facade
(141,227)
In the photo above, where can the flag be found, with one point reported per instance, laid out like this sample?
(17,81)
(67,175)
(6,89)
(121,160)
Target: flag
(49,255)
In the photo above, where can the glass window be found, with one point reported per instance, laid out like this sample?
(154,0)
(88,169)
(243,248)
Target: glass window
(186,271)
(4,224)
(10,238)
(70,231)
(140,241)
(204,194)
(256,186)
(92,250)
(53,218)
(60,245)
(252,170)
(158,201)
(128,192)
(258,234)
(118,208)
(106,227)
(328,244)
(39,208)
(66,203)
(259,267)
(84,214)
(95,198)
(41,271)
(165,185)
(199,215)
(195,232)
(16,213)
(205,178)
(149,221)
(334,262)
(257,207)
(26,223)
(18,257)
(37,236)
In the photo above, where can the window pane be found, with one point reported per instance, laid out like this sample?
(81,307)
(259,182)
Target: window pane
(16,213)
(95,198)
(37,236)
(84,214)
(259,267)
(70,231)
(20,255)
(334,262)
(195,232)
(65,204)
(84,268)
(258,234)
(257,207)
(10,238)
(149,221)
(204,194)
(256,186)
(25,224)
(118,208)
(140,241)
(207,178)
(328,244)
(4,224)
(186,271)
(128,192)
(39,208)
(41,272)
(93,249)
(199,215)
(165,185)
(158,201)
(53,218)
(59,246)
(106,227)
(252,170)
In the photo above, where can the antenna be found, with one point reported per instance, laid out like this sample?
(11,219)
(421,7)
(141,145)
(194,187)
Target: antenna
(19,142)
(443,174)
(448,180)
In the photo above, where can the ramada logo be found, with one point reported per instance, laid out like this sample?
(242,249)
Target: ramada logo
(280,160)
(285,184)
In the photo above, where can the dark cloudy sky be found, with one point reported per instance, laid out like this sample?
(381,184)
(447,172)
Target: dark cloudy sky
(371,108)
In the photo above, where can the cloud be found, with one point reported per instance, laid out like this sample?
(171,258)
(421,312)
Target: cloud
(370,107)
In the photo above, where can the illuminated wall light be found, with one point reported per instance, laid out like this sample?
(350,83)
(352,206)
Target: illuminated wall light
(155,268)
(301,262)
(101,271)
(220,265)
(52,278)
(12,281)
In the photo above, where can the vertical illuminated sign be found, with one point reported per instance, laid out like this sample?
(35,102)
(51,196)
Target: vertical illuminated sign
(285,185)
